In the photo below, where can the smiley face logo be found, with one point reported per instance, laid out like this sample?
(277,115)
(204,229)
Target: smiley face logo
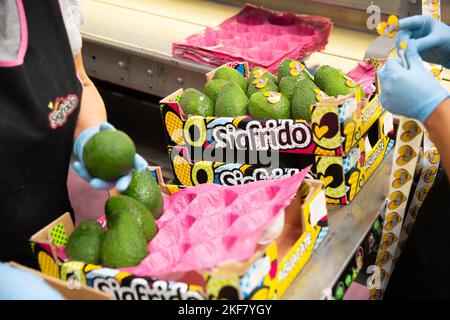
(272,96)
(388,240)
(422,193)
(349,82)
(296,68)
(411,129)
(388,28)
(413,212)
(401,178)
(320,95)
(429,175)
(392,220)
(406,154)
(396,198)
(258,73)
(260,82)
(384,258)
(432,155)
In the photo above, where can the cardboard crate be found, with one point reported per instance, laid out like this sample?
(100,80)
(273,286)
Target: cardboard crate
(68,291)
(266,275)
(343,176)
(334,130)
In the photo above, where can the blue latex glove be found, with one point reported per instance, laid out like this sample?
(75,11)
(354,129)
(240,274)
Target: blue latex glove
(412,92)
(16,284)
(122,183)
(432,38)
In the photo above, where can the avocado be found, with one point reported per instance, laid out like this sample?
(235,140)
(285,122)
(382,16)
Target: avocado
(85,242)
(193,102)
(287,86)
(269,105)
(231,101)
(334,82)
(258,72)
(124,244)
(261,84)
(293,68)
(109,154)
(227,73)
(212,89)
(305,94)
(125,205)
(143,187)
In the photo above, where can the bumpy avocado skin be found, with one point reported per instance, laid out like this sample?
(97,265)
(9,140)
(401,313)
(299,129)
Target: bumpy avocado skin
(212,89)
(124,244)
(231,101)
(260,108)
(302,99)
(333,82)
(117,206)
(193,102)
(230,74)
(109,154)
(143,187)
(85,242)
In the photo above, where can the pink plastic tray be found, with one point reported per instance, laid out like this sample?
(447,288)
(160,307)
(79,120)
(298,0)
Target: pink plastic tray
(259,36)
(209,224)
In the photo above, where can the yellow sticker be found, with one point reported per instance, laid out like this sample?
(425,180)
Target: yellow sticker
(388,28)
(320,95)
(397,198)
(260,82)
(273,96)
(258,73)
(411,129)
(350,82)
(296,68)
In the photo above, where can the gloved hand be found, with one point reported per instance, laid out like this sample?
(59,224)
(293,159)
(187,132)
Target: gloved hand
(412,92)
(432,38)
(122,183)
(16,284)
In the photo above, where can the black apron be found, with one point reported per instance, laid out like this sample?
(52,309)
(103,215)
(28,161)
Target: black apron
(39,106)
(423,272)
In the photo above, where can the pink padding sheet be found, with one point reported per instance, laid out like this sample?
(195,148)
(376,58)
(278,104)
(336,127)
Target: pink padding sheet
(364,73)
(259,36)
(206,225)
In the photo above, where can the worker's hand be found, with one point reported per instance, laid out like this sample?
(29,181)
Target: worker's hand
(122,183)
(412,92)
(432,38)
(16,284)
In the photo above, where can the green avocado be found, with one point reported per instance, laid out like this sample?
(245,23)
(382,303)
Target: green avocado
(117,206)
(212,89)
(262,84)
(193,102)
(230,74)
(287,86)
(124,244)
(109,154)
(302,98)
(276,106)
(288,67)
(231,101)
(143,187)
(85,242)
(334,82)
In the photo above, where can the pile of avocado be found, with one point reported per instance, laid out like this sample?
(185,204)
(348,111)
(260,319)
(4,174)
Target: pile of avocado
(130,217)
(289,95)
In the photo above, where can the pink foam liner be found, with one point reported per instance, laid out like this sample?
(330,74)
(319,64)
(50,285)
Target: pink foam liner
(259,36)
(208,224)
(23,39)
(364,73)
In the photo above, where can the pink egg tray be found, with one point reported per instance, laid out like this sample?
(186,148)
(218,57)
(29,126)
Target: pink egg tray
(259,36)
(208,224)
